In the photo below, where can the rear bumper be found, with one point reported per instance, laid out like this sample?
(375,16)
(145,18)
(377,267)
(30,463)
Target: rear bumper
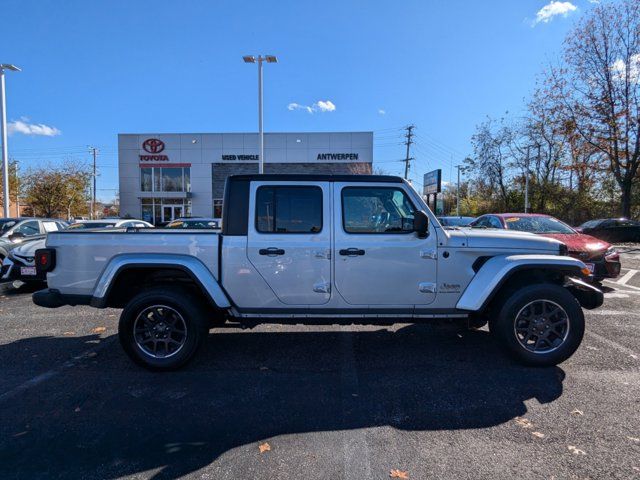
(51,298)
(589,296)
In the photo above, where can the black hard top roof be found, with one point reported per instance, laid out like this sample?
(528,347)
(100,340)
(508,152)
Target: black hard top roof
(301,177)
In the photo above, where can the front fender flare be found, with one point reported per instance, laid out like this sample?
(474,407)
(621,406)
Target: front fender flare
(497,270)
(189,264)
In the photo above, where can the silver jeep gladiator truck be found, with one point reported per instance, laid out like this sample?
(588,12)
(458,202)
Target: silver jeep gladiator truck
(320,249)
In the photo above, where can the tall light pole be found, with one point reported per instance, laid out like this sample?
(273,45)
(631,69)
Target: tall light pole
(259,59)
(459,167)
(3,134)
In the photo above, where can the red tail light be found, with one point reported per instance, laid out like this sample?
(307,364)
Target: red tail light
(45,260)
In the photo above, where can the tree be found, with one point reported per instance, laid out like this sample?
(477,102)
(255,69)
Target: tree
(599,88)
(13,183)
(57,192)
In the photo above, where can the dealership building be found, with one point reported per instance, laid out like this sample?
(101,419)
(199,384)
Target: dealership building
(166,176)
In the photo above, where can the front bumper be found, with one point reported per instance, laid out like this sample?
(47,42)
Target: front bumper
(11,271)
(589,296)
(603,267)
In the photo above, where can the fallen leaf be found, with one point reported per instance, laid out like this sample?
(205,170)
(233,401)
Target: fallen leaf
(538,434)
(634,439)
(523,422)
(264,447)
(575,450)
(398,474)
(69,334)
(577,412)
(99,330)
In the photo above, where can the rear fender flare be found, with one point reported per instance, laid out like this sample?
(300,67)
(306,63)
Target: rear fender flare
(497,270)
(197,270)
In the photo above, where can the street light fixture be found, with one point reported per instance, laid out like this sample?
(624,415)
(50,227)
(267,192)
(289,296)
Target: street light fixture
(259,59)
(3,134)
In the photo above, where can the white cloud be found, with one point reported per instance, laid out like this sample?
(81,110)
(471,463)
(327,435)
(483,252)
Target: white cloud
(24,127)
(325,106)
(319,106)
(382,111)
(553,9)
(619,68)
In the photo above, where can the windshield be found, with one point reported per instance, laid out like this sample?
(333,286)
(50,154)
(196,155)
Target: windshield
(537,225)
(6,225)
(91,225)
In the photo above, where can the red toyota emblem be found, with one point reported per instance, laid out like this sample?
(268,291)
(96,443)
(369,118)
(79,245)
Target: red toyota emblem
(153,145)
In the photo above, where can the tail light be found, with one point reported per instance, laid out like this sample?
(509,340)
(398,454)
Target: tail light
(45,260)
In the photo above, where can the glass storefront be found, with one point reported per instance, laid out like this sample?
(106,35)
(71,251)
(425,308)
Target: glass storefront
(163,210)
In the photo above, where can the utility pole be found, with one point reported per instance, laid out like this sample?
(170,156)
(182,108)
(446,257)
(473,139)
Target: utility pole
(526,184)
(458,191)
(408,143)
(93,193)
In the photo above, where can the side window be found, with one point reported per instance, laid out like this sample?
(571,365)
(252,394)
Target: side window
(289,209)
(28,228)
(376,210)
(494,222)
(482,222)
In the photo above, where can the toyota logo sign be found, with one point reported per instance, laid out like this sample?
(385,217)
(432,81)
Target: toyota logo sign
(153,145)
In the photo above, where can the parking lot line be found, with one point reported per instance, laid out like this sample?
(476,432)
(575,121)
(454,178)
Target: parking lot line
(626,277)
(613,344)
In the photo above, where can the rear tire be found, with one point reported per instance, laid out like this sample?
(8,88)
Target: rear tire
(539,325)
(162,328)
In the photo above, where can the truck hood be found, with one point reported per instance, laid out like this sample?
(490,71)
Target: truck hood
(502,239)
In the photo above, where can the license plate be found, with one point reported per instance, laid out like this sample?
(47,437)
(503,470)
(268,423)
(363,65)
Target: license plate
(591,266)
(28,271)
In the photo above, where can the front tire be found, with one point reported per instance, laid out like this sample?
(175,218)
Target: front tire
(539,325)
(163,328)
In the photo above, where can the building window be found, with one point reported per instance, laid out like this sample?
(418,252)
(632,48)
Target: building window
(146,179)
(289,210)
(217,208)
(159,179)
(163,210)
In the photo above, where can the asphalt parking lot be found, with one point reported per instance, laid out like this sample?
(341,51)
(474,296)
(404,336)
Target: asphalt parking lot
(413,401)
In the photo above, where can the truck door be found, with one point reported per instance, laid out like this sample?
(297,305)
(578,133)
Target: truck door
(289,239)
(379,259)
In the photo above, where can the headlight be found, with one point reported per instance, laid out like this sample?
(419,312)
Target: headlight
(610,251)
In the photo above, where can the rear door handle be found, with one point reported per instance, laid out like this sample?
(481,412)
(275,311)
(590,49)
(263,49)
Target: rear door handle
(271,251)
(351,252)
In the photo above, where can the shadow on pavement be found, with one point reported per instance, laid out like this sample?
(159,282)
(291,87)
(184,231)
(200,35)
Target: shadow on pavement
(106,418)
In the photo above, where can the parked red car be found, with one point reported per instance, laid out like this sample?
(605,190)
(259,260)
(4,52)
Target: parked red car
(598,255)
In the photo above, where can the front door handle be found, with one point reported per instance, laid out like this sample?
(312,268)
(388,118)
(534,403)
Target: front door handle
(271,251)
(351,252)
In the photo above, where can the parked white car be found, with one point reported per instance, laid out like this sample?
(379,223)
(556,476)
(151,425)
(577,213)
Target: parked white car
(321,249)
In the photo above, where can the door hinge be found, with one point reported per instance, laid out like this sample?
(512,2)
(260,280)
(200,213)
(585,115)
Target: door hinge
(429,254)
(323,287)
(426,287)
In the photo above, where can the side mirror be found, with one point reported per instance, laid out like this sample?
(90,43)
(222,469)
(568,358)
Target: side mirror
(421,224)
(16,237)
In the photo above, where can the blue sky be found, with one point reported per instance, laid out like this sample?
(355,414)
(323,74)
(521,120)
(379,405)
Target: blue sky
(94,69)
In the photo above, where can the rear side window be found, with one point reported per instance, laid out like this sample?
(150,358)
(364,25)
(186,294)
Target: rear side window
(289,209)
